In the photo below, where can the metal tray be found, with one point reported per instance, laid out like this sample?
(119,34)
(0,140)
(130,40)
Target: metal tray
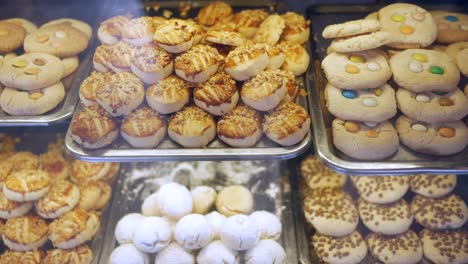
(121,151)
(40,14)
(404,161)
(267,180)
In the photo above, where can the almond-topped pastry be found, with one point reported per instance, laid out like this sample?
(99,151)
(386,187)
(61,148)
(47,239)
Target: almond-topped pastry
(110,30)
(213,13)
(101,58)
(175,35)
(276,56)
(121,96)
(218,95)
(241,127)
(11,209)
(246,61)
(55,165)
(270,30)
(26,185)
(73,228)
(24,160)
(143,128)
(248,21)
(111,176)
(83,171)
(225,38)
(169,95)
(94,195)
(139,31)
(27,257)
(119,57)
(25,233)
(151,63)
(90,85)
(93,127)
(192,127)
(79,255)
(62,197)
(265,91)
(296,58)
(296,29)
(198,64)
(292,88)
(287,124)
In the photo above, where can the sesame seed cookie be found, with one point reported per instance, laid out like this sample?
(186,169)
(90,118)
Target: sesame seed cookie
(11,37)
(316,175)
(350,249)
(381,189)
(433,186)
(452,27)
(447,212)
(351,28)
(361,42)
(449,246)
(404,248)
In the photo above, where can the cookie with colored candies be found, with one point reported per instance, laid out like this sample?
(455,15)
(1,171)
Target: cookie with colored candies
(452,27)
(365,141)
(421,70)
(433,107)
(410,26)
(357,70)
(443,138)
(449,246)
(459,53)
(368,105)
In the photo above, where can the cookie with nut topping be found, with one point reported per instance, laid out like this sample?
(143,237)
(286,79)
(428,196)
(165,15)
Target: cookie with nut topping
(449,246)
(350,249)
(218,95)
(25,233)
(316,175)
(241,127)
(402,248)
(198,64)
(433,186)
(245,62)
(381,189)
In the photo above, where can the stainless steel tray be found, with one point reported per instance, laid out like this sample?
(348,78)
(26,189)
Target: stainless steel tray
(267,180)
(404,161)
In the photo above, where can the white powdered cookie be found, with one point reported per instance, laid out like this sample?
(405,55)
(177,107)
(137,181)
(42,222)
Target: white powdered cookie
(404,248)
(433,186)
(452,27)
(449,246)
(270,30)
(361,42)
(350,249)
(447,212)
(318,176)
(381,189)
(351,28)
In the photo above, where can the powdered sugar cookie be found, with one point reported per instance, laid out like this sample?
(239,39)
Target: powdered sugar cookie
(361,42)
(11,36)
(447,212)
(403,248)
(351,249)
(433,186)
(381,189)
(318,176)
(452,27)
(351,28)
(449,246)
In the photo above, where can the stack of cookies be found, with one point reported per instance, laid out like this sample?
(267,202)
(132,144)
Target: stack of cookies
(33,80)
(240,67)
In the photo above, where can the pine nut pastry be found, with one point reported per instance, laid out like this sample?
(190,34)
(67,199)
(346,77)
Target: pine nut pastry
(218,95)
(73,228)
(90,85)
(270,30)
(11,209)
(25,233)
(296,28)
(264,91)
(151,63)
(139,31)
(198,64)
(275,55)
(62,197)
(121,96)
(192,127)
(101,58)
(225,38)
(287,124)
(292,87)
(143,128)
(5,166)
(248,21)
(119,57)
(175,35)
(29,257)
(79,255)
(241,127)
(169,95)
(213,13)
(296,58)
(23,160)
(26,185)
(93,127)
(83,171)
(55,165)
(110,30)
(246,61)
(94,195)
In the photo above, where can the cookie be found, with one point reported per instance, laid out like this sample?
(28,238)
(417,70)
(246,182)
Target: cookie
(447,212)
(296,58)
(270,30)
(449,246)
(361,42)
(443,138)
(365,141)
(452,27)
(466,90)
(351,249)
(214,12)
(461,60)
(317,176)
(453,49)
(381,189)
(70,64)
(26,24)
(421,70)
(139,31)
(433,186)
(403,248)
(296,28)
(11,37)
(409,26)
(433,107)
(351,28)
(357,70)
(90,85)
(247,21)
(75,23)
(367,105)
(331,212)
(373,15)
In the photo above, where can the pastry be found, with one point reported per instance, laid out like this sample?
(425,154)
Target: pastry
(216,220)
(151,206)
(218,95)
(197,64)
(138,31)
(169,95)
(192,127)
(25,233)
(110,30)
(143,128)
(270,30)
(95,81)
(23,160)
(204,197)
(287,124)
(94,195)
(296,58)
(296,28)
(128,254)
(233,200)
(30,257)
(381,189)
(83,171)
(75,23)
(119,57)
(240,233)
(449,246)
(93,127)
(351,249)
(217,252)
(175,35)
(264,91)
(125,228)
(276,57)
(152,234)
(80,255)
(246,61)
(433,186)
(10,209)
(403,248)
(351,28)
(151,63)
(269,224)
(193,232)
(175,201)
(26,185)
(70,64)
(452,27)
(241,127)
(226,38)
(213,13)
(24,23)
(174,253)
(316,175)
(62,197)
(247,21)
(266,251)
(11,36)
(101,58)
(361,42)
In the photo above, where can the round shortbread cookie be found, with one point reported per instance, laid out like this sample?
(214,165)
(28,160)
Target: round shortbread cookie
(447,212)
(409,26)
(433,107)
(350,249)
(70,64)
(78,24)
(365,141)
(449,246)
(367,105)
(453,49)
(433,186)
(351,28)
(331,212)
(361,42)
(247,21)
(387,219)
(443,138)
(26,24)
(32,71)
(90,85)
(404,248)
(421,70)
(452,27)
(316,175)
(357,70)
(11,36)
(381,189)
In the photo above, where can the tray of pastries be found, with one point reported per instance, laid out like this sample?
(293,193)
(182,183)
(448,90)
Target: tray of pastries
(200,82)
(42,57)
(390,91)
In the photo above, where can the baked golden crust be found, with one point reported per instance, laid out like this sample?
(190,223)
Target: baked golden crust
(79,255)
(241,122)
(293,51)
(292,88)
(25,229)
(264,84)
(219,89)
(82,171)
(197,59)
(70,225)
(151,58)
(138,27)
(61,194)
(120,55)
(294,24)
(249,18)
(142,122)
(24,160)
(191,121)
(94,195)
(213,13)
(92,123)
(8,205)
(285,119)
(18,257)
(92,83)
(225,38)
(174,32)
(5,166)
(169,90)
(54,164)
(102,54)
(241,55)
(115,25)
(26,181)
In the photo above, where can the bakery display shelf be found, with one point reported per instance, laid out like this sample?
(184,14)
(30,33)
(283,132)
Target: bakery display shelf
(40,14)
(268,181)
(121,151)
(404,161)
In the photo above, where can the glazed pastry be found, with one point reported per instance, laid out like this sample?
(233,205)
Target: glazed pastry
(213,13)
(192,127)
(25,233)
(248,21)
(169,95)
(264,91)
(296,28)
(10,209)
(246,61)
(270,30)
(83,171)
(151,63)
(101,58)
(79,255)
(26,185)
(139,31)
(296,58)
(227,38)
(110,30)
(218,95)
(197,64)
(241,127)
(175,35)
(95,81)
(62,197)
(94,195)
(119,57)
(30,257)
